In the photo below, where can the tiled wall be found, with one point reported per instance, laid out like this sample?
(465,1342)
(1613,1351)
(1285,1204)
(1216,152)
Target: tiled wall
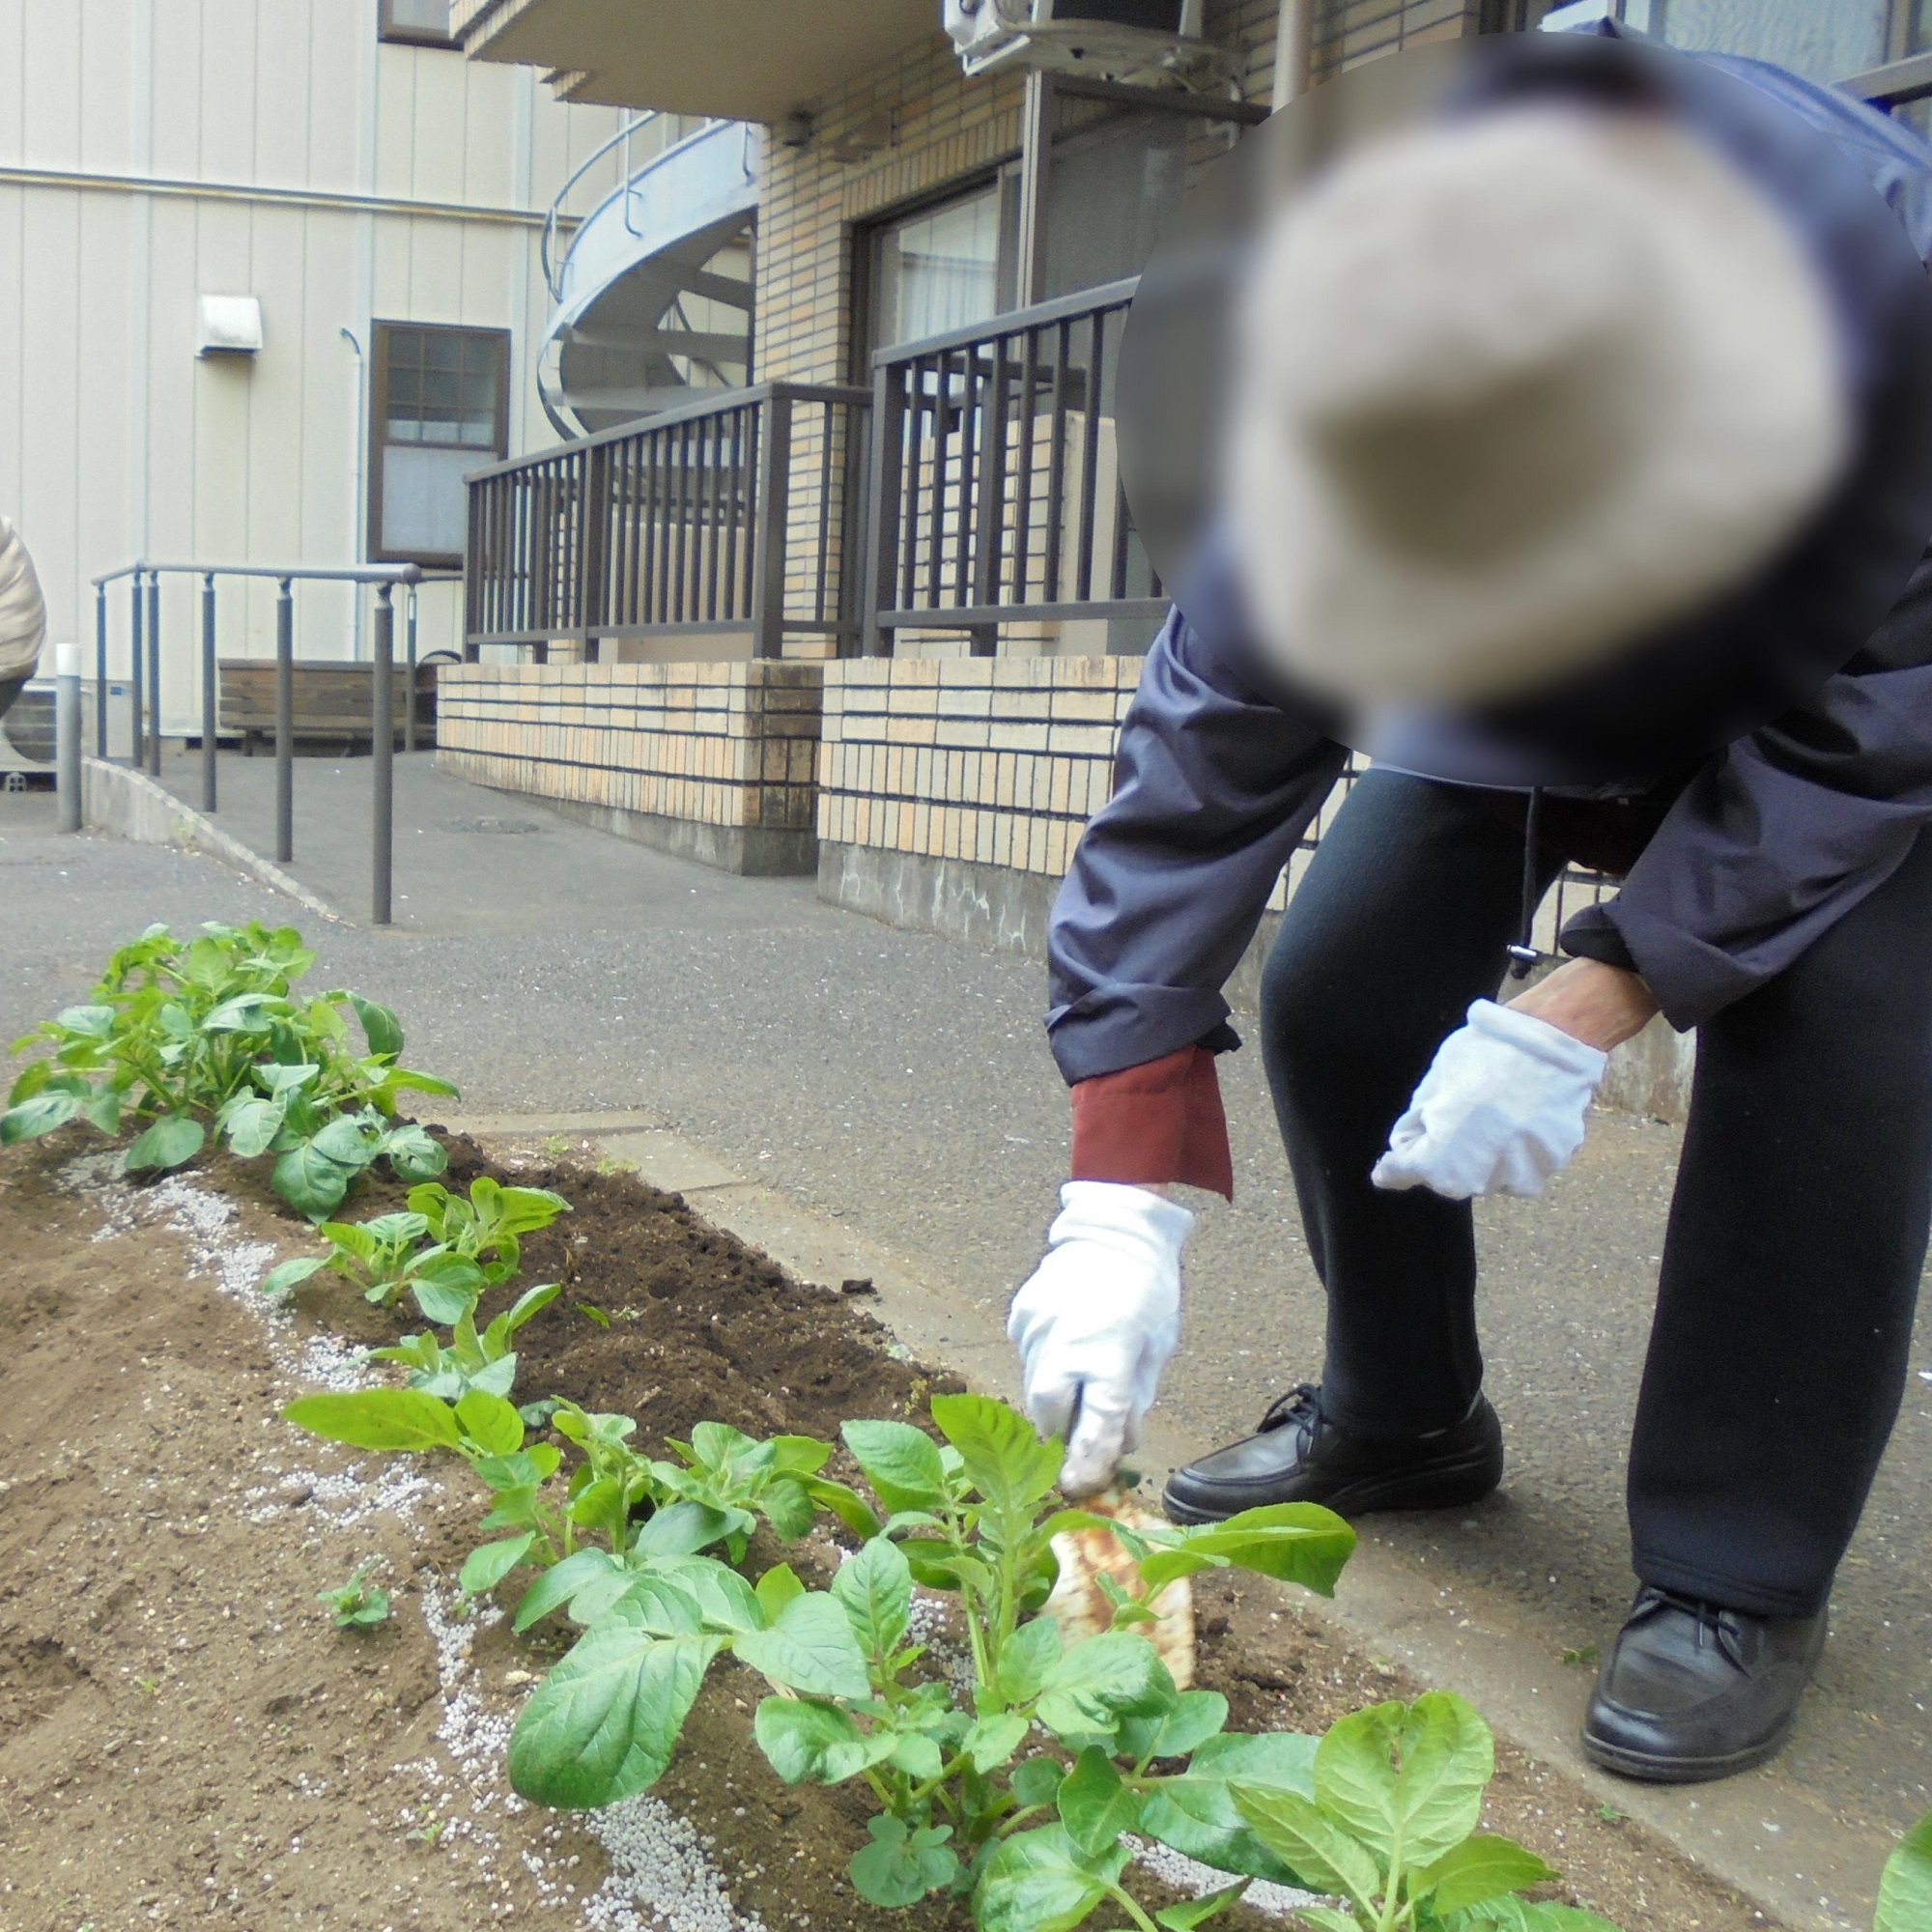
(712,760)
(999,761)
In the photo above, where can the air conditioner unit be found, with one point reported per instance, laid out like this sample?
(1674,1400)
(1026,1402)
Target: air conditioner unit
(1099,36)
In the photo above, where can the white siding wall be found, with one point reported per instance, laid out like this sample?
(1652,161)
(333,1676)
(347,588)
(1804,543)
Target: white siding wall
(115,440)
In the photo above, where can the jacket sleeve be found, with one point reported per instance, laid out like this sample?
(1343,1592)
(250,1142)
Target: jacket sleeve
(1780,836)
(1215,785)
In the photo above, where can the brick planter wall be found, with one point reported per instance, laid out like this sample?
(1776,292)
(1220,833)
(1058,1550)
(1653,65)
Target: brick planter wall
(951,790)
(712,761)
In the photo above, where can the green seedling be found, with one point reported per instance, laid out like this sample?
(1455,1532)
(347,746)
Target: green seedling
(1583,1657)
(485,1229)
(470,1359)
(1386,1820)
(592,1313)
(185,1038)
(358,1603)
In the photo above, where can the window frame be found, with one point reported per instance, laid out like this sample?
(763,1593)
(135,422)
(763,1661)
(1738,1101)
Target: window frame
(381,331)
(406,35)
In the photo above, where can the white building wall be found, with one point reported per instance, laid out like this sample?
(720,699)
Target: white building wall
(154,151)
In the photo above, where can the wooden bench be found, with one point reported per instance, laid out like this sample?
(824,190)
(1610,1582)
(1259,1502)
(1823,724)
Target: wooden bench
(333,702)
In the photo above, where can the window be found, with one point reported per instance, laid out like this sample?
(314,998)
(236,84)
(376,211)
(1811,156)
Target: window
(944,265)
(417,23)
(439,408)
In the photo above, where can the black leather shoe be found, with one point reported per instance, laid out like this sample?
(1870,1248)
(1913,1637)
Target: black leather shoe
(1300,1456)
(1691,1691)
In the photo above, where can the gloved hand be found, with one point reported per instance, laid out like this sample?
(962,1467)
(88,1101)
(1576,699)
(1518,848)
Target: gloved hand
(1097,1322)
(1501,1108)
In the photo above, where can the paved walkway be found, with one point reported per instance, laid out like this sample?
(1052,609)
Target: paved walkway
(898,1084)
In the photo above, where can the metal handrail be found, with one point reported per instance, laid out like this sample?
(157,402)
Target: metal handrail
(985,505)
(554,270)
(145,617)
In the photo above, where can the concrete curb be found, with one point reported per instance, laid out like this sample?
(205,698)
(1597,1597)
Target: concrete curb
(1761,1834)
(130,804)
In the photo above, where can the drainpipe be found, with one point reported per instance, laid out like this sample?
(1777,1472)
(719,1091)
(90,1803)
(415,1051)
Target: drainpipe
(358,507)
(1293,46)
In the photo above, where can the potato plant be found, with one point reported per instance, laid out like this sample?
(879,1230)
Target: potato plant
(181,1036)
(1905,1890)
(443,1250)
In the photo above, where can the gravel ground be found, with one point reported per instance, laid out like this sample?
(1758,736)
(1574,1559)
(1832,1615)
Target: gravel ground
(902,1082)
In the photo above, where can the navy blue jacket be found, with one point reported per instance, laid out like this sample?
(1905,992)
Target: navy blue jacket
(1793,721)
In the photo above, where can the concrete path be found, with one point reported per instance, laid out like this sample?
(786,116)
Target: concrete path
(897,1086)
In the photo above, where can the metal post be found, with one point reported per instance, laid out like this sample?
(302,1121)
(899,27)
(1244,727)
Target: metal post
(101,670)
(879,589)
(1035,164)
(154,672)
(768,559)
(66,734)
(410,690)
(285,722)
(135,673)
(384,671)
(208,774)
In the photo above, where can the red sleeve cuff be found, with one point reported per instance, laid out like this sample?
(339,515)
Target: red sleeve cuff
(1155,1123)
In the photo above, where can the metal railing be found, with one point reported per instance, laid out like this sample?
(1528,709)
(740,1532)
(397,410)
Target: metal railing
(144,690)
(994,487)
(725,514)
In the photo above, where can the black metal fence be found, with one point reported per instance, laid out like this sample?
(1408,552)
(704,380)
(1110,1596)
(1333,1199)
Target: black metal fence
(994,484)
(727,515)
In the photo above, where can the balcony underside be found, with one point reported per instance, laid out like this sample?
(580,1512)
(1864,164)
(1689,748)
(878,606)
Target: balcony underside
(742,60)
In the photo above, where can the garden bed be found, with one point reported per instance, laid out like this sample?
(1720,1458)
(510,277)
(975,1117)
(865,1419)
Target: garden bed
(185,1738)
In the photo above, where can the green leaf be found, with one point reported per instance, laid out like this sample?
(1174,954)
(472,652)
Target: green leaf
(901,1463)
(310,1182)
(584,1570)
(875,1588)
(1096,1806)
(171,1141)
(291,1273)
(899,1867)
(777,1587)
(1413,1774)
(1196,1813)
(413,1153)
(380,1026)
(1481,1867)
(1520,1915)
(604,1724)
(1193,1911)
(250,1125)
(994,1739)
(1098,1683)
(682,1530)
(1197,1716)
(810,1648)
(103,1109)
(1294,1543)
(1037,1780)
(1025,1659)
(91,1022)
(806,1740)
(1319,1854)
(446,1289)
(377,1420)
(522,1210)
(1905,1890)
(38,1115)
(1041,1882)
(1003,1458)
(491,1423)
(486,1565)
(845,1503)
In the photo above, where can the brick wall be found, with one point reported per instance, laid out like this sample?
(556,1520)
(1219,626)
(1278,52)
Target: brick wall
(715,762)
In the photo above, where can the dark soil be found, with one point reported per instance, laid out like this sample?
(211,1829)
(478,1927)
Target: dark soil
(146,1622)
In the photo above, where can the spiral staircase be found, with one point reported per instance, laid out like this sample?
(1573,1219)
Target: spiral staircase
(651,299)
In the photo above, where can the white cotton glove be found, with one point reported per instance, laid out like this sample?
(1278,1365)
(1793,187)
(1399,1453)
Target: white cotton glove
(1501,1108)
(1097,1322)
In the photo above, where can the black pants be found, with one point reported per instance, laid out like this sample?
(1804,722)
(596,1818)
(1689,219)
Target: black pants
(1791,1267)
